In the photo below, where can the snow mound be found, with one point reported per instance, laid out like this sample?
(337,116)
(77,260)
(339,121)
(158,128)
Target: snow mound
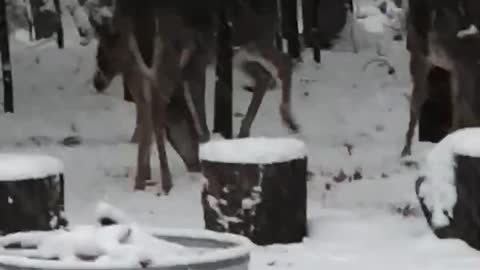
(28,166)
(439,188)
(259,150)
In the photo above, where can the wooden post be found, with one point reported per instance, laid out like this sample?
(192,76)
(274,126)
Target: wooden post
(290,27)
(223,110)
(310,30)
(6,62)
(279,35)
(317,54)
(60,33)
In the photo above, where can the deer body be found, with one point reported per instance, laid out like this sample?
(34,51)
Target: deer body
(162,49)
(434,40)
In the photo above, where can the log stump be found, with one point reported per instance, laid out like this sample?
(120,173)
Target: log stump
(31,193)
(256,187)
(449,190)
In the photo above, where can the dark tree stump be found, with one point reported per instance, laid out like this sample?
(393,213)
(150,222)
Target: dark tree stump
(462,221)
(31,193)
(265,201)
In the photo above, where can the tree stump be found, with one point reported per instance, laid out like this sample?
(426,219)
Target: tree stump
(449,190)
(31,193)
(256,187)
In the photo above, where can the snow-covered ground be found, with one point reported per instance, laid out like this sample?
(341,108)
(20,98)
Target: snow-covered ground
(353,122)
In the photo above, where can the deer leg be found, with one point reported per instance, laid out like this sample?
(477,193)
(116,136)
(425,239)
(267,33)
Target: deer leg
(158,114)
(419,69)
(284,66)
(196,80)
(262,78)
(136,96)
(181,134)
(463,89)
(145,132)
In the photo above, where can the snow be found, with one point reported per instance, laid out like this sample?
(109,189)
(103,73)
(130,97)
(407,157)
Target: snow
(119,246)
(351,119)
(470,31)
(17,167)
(439,187)
(259,150)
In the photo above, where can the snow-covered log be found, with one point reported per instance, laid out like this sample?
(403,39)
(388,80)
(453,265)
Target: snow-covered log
(256,187)
(449,189)
(31,193)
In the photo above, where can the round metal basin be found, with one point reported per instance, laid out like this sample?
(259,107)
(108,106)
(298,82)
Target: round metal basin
(217,251)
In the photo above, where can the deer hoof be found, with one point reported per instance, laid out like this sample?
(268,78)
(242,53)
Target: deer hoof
(139,187)
(166,188)
(406,152)
(243,134)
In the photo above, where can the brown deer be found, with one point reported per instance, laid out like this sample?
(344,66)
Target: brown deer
(444,34)
(181,64)
(153,48)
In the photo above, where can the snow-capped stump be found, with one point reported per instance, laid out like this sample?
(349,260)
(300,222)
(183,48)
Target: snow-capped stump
(256,187)
(449,189)
(31,193)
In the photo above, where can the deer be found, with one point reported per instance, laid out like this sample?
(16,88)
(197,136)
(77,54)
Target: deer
(253,31)
(444,34)
(256,56)
(156,64)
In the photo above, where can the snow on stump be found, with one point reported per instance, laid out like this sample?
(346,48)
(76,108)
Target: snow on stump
(31,193)
(449,189)
(256,187)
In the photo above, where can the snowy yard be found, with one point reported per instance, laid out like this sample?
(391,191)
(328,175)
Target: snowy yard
(353,121)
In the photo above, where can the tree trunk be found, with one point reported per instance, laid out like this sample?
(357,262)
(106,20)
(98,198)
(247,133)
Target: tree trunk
(32,204)
(6,62)
(310,19)
(465,223)
(264,202)
(290,27)
(223,111)
(279,34)
(59,27)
